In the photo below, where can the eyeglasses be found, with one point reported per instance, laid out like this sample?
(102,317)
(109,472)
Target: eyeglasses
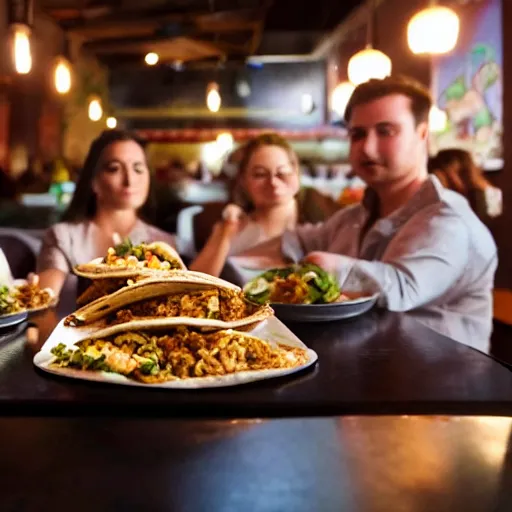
(283,173)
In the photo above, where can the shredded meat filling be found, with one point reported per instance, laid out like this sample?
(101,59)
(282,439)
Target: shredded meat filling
(223,305)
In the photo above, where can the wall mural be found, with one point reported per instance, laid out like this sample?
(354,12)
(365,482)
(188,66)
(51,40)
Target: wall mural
(469,87)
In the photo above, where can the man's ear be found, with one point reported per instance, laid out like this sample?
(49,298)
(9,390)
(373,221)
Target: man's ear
(423,130)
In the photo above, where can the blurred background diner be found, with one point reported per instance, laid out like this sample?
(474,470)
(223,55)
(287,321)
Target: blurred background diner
(199,81)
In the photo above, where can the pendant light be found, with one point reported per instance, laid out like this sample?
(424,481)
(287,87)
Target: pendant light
(20,17)
(62,75)
(433,30)
(368,63)
(151,58)
(213,99)
(95,110)
(62,70)
(340,97)
(111,122)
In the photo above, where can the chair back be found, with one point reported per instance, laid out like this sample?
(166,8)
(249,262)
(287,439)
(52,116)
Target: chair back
(21,253)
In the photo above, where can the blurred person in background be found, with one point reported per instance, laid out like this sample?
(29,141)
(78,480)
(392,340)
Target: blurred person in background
(267,200)
(457,171)
(113,200)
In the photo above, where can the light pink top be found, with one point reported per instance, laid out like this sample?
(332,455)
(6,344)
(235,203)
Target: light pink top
(66,244)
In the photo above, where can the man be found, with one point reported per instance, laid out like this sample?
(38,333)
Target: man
(417,243)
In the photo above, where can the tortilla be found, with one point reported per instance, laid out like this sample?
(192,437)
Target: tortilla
(101,287)
(126,260)
(178,353)
(214,303)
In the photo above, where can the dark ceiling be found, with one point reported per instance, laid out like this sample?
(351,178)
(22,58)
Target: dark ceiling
(196,30)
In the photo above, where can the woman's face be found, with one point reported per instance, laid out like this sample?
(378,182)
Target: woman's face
(122,180)
(270,178)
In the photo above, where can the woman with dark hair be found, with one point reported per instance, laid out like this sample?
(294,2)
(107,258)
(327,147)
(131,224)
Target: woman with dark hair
(112,200)
(457,171)
(266,201)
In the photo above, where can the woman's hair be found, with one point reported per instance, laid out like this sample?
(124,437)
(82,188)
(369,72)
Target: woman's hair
(458,169)
(83,204)
(239,195)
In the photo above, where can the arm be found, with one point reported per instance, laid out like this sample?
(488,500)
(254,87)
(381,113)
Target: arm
(52,264)
(421,264)
(212,257)
(52,278)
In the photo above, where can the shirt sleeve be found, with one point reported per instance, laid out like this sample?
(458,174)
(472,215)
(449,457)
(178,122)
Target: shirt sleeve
(307,238)
(52,254)
(423,262)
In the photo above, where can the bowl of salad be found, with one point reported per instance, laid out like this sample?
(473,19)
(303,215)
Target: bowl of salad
(306,292)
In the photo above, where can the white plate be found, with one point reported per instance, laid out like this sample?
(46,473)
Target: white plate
(325,312)
(271,330)
(13,319)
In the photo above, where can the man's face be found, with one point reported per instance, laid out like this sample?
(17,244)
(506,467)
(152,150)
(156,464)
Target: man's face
(386,145)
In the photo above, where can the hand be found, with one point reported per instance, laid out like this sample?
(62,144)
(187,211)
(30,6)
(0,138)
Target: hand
(325,260)
(33,279)
(232,213)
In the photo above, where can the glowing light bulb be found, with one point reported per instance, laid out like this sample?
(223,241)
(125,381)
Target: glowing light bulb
(111,122)
(213,99)
(367,64)
(340,97)
(21,49)
(95,109)
(62,77)
(434,30)
(151,58)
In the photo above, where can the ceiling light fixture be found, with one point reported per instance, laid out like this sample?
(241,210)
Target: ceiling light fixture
(368,63)
(95,110)
(20,17)
(433,30)
(340,97)
(62,75)
(213,99)
(151,58)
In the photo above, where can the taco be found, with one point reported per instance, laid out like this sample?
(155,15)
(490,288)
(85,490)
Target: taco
(25,297)
(214,303)
(297,284)
(127,260)
(176,353)
(103,286)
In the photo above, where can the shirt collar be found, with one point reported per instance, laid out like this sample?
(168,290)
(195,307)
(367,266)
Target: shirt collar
(429,193)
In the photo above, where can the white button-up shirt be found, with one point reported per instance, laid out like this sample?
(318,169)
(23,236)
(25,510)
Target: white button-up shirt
(432,258)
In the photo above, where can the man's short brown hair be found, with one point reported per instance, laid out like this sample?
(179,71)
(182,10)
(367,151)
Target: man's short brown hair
(421,100)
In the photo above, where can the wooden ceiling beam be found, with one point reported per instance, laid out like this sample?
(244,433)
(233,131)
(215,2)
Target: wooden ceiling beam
(226,19)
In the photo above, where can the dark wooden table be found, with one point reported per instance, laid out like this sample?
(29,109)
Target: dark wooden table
(380,363)
(350,464)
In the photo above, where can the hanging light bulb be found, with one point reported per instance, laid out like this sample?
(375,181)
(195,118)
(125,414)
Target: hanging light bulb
(340,97)
(95,109)
(21,49)
(62,76)
(367,64)
(433,30)
(151,58)
(213,99)
(437,120)
(111,122)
